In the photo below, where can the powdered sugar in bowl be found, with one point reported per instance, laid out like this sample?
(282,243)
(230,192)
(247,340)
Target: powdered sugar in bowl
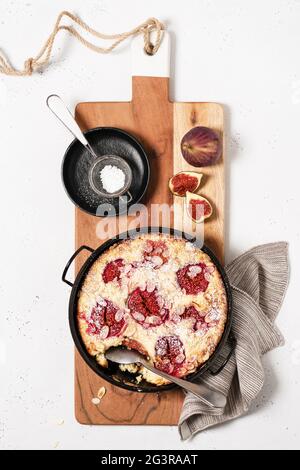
(110,176)
(111,182)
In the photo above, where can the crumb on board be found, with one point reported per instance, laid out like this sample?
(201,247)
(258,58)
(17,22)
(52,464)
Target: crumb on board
(96,401)
(101,392)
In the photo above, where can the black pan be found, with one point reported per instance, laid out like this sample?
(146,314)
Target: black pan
(113,374)
(77,162)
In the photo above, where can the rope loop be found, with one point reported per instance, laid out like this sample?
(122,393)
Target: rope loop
(42,59)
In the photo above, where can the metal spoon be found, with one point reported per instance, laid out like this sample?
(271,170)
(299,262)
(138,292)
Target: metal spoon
(63,114)
(127,356)
(60,110)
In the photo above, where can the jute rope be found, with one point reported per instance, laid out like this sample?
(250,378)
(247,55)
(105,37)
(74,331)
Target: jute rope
(43,57)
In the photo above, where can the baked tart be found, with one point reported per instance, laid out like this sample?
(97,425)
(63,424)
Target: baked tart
(158,294)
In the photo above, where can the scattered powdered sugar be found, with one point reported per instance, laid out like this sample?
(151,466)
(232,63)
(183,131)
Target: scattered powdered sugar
(213,315)
(112,178)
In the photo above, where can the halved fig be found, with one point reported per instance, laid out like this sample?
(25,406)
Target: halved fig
(198,208)
(185,181)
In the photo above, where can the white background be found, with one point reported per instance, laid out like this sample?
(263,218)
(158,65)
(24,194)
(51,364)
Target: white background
(244,55)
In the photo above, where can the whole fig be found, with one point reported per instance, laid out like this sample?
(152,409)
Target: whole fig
(201,146)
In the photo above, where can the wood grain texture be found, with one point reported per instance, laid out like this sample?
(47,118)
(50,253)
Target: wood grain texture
(186,116)
(150,117)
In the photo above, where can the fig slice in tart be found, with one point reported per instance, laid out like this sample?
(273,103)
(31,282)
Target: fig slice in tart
(202,321)
(105,320)
(112,270)
(147,307)
(156,252)
(193,278)
(170,354)
(198,318)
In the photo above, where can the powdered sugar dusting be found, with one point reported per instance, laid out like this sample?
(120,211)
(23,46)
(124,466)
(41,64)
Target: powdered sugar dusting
(112,178)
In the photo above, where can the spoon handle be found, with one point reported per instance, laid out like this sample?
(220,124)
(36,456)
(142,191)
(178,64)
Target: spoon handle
(60,110)
(63,114)
(209,397)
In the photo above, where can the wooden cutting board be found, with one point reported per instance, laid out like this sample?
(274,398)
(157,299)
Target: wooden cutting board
(159,125)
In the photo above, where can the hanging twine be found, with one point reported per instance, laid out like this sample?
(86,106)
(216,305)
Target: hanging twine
(42,59)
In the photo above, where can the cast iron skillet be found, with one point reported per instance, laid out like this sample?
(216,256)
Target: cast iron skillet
(113,374)
(77,162)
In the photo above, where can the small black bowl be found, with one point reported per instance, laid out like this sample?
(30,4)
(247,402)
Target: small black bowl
(77,162)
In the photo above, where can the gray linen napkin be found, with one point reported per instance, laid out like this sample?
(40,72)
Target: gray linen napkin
(259,279)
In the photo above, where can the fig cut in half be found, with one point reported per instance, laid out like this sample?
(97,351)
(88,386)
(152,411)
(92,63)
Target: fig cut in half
(185,181)
(198,208)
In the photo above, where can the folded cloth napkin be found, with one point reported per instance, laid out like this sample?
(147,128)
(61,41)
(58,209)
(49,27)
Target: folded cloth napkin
(259,279)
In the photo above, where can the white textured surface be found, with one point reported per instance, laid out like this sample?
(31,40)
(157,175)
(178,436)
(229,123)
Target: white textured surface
(242,54)
(144,65)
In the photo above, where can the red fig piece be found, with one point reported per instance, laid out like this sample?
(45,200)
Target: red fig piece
(156,252)
(169,355)
(112,270)
(184,181)
(198,208)
(105,320)
(145,308)
(193,281)
(201,146)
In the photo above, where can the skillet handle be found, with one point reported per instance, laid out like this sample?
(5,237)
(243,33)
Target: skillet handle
(63,277)
(233,345)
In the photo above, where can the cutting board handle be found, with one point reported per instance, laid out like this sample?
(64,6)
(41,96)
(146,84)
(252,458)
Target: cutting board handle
(150,73)
(157,65)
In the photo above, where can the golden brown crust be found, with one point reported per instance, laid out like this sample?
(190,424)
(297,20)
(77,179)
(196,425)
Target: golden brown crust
(198,344)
